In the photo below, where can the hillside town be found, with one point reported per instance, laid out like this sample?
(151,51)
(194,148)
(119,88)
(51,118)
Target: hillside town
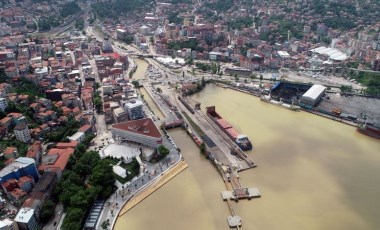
(77,134)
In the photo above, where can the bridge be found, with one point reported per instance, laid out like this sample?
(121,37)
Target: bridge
(139,55)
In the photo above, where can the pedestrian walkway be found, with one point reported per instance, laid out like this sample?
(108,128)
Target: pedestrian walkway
(156,184)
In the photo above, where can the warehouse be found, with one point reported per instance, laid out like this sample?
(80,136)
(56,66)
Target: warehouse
(313,96)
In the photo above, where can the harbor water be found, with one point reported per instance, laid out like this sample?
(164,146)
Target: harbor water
(313,173)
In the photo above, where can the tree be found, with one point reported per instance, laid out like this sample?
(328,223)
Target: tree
(162,150)
(102,176)
(202,148)
(86,163)
(346,88)
(105,224)
(47,211)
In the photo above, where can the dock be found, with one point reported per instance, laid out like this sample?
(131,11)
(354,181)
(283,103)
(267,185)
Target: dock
(241,193)
(223,153)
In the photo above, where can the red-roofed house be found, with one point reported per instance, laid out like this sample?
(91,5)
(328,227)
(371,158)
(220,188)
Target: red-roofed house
(16,195)
(9,185)
(86,129)
(6,122)
(26,183)
(142,131)
(65,145)
(56,160)
(35,151)
(10,152)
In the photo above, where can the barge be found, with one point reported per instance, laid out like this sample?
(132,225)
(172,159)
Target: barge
(280,103)
(240,139)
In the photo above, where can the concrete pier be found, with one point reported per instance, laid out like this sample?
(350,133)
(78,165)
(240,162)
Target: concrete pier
(234,221)
(243,193)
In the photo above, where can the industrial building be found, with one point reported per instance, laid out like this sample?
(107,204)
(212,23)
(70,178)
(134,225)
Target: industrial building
(313,96)
(142,131)
(288,92)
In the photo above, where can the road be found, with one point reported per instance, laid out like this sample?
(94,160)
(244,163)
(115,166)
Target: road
(56,220)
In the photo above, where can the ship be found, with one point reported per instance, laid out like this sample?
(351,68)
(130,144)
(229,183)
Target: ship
(240,139)
(369,130)
(279,103)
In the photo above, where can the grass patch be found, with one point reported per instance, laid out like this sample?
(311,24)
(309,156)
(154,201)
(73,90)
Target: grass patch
(133,168)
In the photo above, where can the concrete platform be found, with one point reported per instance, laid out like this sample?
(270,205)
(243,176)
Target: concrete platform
(246,193)
(227,195)
(234,221)
(254,193)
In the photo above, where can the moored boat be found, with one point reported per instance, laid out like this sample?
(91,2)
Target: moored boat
(240,139)
(279,103)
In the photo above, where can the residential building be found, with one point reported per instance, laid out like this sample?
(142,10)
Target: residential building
(22,166)
(6,122)
(56,160)
(26,219)
(3,104)
(26,183)
(41,191)
(134,109)
(78,136)
(22,133)
(17,196)
(8,224)
(44,187)
(10,152)
(120,115)
(35,151)
(142,131)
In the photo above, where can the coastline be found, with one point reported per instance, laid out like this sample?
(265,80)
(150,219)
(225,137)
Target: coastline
(149,188)
(351,123)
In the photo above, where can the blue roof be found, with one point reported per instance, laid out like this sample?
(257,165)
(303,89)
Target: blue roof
(276,85)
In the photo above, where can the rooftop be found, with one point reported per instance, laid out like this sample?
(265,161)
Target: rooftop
(143,126)
(333,54)
(314,91)
(20,162)
(24,215)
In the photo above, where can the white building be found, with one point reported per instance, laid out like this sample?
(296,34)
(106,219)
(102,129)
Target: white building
(8,224)
(313,96)
(283,54)
(22,133)
(142,131)
(78,136)
(26,219)
(333,54)
(134,109)
(3,104)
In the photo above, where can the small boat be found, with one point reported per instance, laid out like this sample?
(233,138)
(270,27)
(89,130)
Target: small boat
(279,103)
